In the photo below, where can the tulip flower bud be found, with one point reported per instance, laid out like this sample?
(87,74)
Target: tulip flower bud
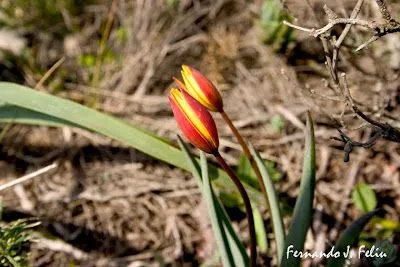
(201,89)
(194,120)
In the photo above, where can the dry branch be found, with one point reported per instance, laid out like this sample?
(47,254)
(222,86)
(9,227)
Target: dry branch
(390,26)
(340,86)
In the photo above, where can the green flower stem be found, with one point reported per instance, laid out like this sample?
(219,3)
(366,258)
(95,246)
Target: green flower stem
(246,200)
(247,153)
(253,163)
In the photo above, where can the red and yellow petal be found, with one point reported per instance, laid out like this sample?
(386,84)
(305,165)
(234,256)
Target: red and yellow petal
(194,120)
(181,85)
(202,89)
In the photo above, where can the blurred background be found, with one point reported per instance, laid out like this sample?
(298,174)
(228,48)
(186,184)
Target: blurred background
(109,205)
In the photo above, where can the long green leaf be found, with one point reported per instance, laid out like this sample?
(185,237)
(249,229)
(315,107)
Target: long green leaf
(15,114)
(238,251)
(193,164)
(349,238)
(273,203)
(20,104)
(302,214)
(216,222)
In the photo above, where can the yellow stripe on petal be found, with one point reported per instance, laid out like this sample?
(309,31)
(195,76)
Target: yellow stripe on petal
(193,88)
(191,115)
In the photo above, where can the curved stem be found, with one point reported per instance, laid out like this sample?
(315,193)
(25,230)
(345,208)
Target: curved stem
(249,211)
(247,153)
(260,180)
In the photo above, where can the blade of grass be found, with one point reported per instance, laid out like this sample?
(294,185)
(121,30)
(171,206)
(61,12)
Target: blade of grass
(349,237)
(261,233)
(276,216)
(238,250)
(21,104)
(302,214)
(193,164)
(216,222)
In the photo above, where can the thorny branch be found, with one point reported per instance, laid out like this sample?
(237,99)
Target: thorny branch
(381,130)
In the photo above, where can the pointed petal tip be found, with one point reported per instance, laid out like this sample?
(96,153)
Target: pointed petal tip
(180,84)
(186,67)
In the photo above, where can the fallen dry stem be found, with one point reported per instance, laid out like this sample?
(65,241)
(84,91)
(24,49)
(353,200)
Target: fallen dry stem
(49,72)
(27,177)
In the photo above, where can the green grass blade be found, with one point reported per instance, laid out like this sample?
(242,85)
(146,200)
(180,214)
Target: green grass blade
(20,104)
(261,233)
(238,250)
(276,216)
(302,214)
(349,237)
(216,222)
(194,165)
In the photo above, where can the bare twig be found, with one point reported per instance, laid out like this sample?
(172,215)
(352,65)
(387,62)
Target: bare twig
(372,39)
(379,30)
(349,21)
(344,33)
(347,94)
(27,177)
(49,72)
(287,23)
(382,130)
(349,144)
(332,23)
